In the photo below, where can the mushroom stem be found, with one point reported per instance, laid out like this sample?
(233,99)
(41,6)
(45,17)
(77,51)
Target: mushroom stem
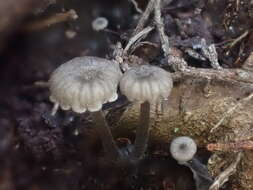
(203,179)
(55,109)
(105,134)
(142,133)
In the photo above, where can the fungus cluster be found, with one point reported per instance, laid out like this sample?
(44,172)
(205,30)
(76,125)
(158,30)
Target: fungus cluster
(86,83)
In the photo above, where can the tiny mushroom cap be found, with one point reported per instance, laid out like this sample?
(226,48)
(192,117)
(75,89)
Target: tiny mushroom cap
(146,83)
(99,23)
(85,83)
(183,149)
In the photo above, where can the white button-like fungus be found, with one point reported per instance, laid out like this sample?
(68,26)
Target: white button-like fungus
(84,83)
(183,149)
(146,83)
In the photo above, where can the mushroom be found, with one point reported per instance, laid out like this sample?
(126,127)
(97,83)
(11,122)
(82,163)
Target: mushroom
(85,84)
(100,23)
(183,149)
(145,84)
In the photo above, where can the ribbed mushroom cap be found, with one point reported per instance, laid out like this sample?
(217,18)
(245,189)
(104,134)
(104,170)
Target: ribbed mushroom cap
(183,149)
(85,83)
(146,83)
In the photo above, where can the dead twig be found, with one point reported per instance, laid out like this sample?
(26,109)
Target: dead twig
(136,6)
(224,176)
(177,63)
(232,76)
(231,146)
(136,38)
(209,51)
(238,39)
(144,17)
(57,18)
(231,110)
(160,27)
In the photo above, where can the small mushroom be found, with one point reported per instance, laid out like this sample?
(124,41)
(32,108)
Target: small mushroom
(85,84)
(183,149)
(145,84)
(100,23)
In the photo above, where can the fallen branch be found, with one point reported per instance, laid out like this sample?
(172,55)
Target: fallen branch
(144,17)
(232,76)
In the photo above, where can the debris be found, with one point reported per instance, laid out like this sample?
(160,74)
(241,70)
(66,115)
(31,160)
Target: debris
(224,176)
(231,110)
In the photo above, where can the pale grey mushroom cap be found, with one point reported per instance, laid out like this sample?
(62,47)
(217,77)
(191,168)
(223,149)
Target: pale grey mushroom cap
(99,23)
(183,149)
(146,83)
(85,83)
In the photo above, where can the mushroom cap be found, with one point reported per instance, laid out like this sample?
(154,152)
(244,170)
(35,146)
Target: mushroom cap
(99,23)
(85,83)
(146,83)
(183,148)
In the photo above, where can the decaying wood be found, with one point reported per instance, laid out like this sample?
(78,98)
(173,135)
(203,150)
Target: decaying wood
(198,101)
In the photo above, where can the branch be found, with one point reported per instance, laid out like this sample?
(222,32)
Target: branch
(177,63)
(144,17)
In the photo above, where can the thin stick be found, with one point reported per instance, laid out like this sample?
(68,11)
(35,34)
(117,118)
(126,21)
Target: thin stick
(210,52)
(238,39)
(160,27)
(142,133)
(177,63)
(55,109)
(144,17)
(137,37)
(235,76)
(231,110)
(105,134)
(223,177)
(57,18)
(136,6)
